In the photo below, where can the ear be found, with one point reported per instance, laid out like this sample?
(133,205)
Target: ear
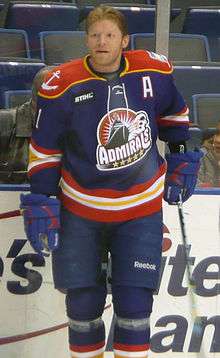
(125,41)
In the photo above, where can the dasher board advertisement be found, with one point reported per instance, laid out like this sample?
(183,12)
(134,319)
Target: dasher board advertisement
(33,320)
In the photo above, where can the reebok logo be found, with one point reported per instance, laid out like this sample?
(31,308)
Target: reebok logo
(144,265)
(84,97)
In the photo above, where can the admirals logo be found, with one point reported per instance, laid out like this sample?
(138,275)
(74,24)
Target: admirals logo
(124,137)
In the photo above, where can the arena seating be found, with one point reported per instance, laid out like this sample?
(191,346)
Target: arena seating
(15,98)
(195,140)
(193,3)
(82,3)
(181,46)
(206,108)
(6,116)
(37,17)
(140,18)
(61,46)
(14,43)
(195,79)
(17,76)
(205,21)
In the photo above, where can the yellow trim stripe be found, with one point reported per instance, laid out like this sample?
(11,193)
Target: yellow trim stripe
(38,154)
(37,158)
(95,354)
(114,203)
(72,84)
(76,355)
(147,70)
(38,162)
(126,68)
(126,354)
(95,76)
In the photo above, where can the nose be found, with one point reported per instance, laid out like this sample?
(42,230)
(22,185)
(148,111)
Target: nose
(101,40)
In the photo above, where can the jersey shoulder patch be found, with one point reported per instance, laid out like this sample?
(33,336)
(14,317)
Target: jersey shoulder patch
(141,60)
(62,77)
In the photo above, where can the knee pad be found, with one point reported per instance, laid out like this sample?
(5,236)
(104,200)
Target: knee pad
(134,325)
(85,304)
(132,302)
(85,326)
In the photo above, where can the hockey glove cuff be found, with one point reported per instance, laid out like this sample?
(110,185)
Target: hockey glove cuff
(181,176)
(41,221)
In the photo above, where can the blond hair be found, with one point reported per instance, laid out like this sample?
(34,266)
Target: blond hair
(103,12)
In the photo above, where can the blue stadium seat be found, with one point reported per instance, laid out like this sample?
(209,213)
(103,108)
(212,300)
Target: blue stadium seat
(195,140)
(82,3)
(61,46)
(17,76)
(204,21)
(191,80)
(206,109)
(140,18)
(14,43)
(36,17)
(15,98)
(181,46)
(193,3)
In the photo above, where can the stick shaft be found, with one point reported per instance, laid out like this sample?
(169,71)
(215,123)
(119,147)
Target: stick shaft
(184,239)
(190,279)
(191,282)
(10,214)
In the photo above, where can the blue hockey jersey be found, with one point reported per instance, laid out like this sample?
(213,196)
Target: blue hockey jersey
(94,141)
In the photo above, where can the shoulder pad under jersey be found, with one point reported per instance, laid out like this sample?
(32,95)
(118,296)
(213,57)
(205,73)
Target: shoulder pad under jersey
(64,76)
(141,60)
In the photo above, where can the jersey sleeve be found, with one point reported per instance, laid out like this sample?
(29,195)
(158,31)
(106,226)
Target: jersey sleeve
(172,113)
(45,150)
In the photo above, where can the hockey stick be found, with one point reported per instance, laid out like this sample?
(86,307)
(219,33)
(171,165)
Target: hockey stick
(197,320)
(10,214)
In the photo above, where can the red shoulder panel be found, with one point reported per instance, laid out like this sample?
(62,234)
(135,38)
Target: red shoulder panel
(140,60)
(64,76)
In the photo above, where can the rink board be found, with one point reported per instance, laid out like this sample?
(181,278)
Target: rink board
(33,321)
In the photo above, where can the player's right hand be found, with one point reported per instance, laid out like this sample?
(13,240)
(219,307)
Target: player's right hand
(181,176)
(41,221)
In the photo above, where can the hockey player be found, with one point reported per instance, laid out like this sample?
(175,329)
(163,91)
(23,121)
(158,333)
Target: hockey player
(94,148)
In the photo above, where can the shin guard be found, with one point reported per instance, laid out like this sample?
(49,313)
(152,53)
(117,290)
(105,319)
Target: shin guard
(133,306)
(86,327)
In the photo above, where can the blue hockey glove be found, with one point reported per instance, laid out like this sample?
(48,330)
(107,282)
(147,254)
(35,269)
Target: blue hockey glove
(41,221)
(181,176)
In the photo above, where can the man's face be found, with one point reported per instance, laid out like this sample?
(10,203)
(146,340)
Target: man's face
(105,43)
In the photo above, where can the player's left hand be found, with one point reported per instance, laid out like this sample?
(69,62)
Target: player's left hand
(41,222)
(181,176)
